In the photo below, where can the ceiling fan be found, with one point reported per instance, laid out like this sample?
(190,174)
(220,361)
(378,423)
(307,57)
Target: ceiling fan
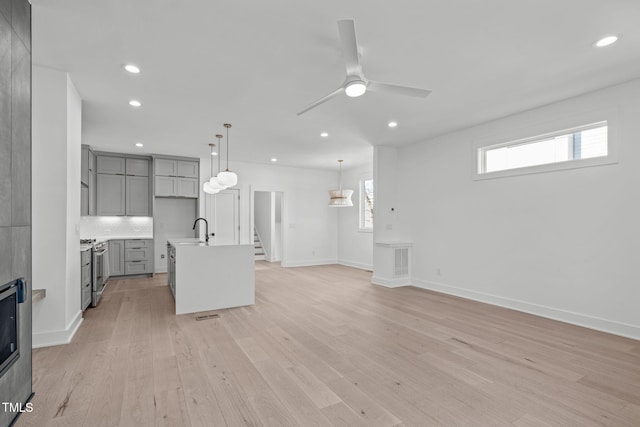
(356,84)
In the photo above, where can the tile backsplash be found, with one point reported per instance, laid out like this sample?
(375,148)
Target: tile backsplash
(111,227)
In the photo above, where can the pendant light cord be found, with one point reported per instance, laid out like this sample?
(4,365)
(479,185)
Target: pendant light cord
(227,126)
(220,149)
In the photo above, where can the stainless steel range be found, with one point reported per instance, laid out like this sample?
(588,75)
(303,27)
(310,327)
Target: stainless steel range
(100,271)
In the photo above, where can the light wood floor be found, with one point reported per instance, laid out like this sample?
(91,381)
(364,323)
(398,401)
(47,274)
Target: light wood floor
(322,346)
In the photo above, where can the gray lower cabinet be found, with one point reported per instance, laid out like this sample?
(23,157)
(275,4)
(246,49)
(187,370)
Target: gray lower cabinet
(116,257)
(111,195)
(131,256)
(137,199)
(85,279)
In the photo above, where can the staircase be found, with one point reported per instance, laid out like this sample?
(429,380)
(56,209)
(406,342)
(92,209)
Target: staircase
(258,249)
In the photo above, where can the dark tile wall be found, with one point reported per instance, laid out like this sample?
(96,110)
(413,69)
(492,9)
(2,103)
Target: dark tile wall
(15,183)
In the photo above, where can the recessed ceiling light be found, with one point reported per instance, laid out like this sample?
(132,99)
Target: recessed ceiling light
(324,134)
(135,103)
(274,159)
(606,41)
(392,124)
(132,69)
(139,144)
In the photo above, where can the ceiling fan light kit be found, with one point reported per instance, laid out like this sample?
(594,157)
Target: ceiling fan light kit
(226,177)
(356,84)
(340,198)
(355,88)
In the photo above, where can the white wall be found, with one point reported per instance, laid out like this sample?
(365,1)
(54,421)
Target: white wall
(310,226)
(264,219)
(74,142)
(56,205)
(355,247)
(560,244)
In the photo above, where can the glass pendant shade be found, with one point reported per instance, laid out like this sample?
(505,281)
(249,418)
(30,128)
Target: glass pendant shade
(227,178)
(208,188)
(340,198)
(213,183)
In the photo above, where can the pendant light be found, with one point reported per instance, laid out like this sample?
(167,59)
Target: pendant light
(226,177)
(340,198)
(213,181)
(207,187)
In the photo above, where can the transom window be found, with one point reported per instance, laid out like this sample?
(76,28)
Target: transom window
(366,204)
(584,142)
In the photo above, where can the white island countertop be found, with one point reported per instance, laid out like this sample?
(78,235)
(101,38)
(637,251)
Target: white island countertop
(210,276)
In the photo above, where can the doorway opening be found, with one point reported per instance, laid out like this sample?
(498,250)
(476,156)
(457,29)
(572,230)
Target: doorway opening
(222,210)
(267,226)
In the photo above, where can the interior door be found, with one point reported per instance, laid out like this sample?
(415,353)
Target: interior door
(223,214)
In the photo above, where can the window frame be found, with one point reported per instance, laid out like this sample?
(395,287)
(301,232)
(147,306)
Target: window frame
(362,206)
(585,121)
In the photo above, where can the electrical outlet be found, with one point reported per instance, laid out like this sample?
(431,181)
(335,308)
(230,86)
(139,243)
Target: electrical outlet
(438,272)
(313,253)
(161,256)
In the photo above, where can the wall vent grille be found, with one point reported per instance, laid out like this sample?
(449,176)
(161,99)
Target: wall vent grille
(401,265)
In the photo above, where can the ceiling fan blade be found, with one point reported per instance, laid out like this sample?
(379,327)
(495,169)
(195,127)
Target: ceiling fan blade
(321,100)
(398,90)
(347,31)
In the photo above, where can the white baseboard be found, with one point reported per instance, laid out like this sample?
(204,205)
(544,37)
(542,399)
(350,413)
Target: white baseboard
(47,339)
(354,264)
(390,283)
(309,263)
(591,322)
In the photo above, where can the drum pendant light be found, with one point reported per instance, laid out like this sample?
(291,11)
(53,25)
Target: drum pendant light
(226,177)
(340,198)
(208,187)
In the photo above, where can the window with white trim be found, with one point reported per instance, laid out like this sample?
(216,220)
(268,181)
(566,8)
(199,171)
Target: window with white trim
(571,145)
(366,205)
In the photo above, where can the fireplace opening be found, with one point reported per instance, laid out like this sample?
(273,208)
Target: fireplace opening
(9,323)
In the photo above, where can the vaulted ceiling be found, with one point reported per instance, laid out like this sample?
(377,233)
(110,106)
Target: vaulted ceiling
(256,63)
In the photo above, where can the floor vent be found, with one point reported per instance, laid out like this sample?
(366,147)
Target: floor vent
(207,316)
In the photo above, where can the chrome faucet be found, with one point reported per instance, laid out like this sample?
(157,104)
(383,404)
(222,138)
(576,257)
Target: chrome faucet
(206,224)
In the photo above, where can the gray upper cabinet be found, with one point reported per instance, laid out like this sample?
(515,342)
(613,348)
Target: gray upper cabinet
(120,186)
(176,178)
(84,168)
(137,167)
(166,167)
(188,169)
(137,191)
(87,182)
(111,194)
(166,186)
(111,165)
(187,187)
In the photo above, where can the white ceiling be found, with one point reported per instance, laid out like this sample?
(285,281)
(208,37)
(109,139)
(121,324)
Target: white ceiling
(255,63)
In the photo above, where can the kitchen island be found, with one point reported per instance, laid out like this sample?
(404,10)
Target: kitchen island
(205,276)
